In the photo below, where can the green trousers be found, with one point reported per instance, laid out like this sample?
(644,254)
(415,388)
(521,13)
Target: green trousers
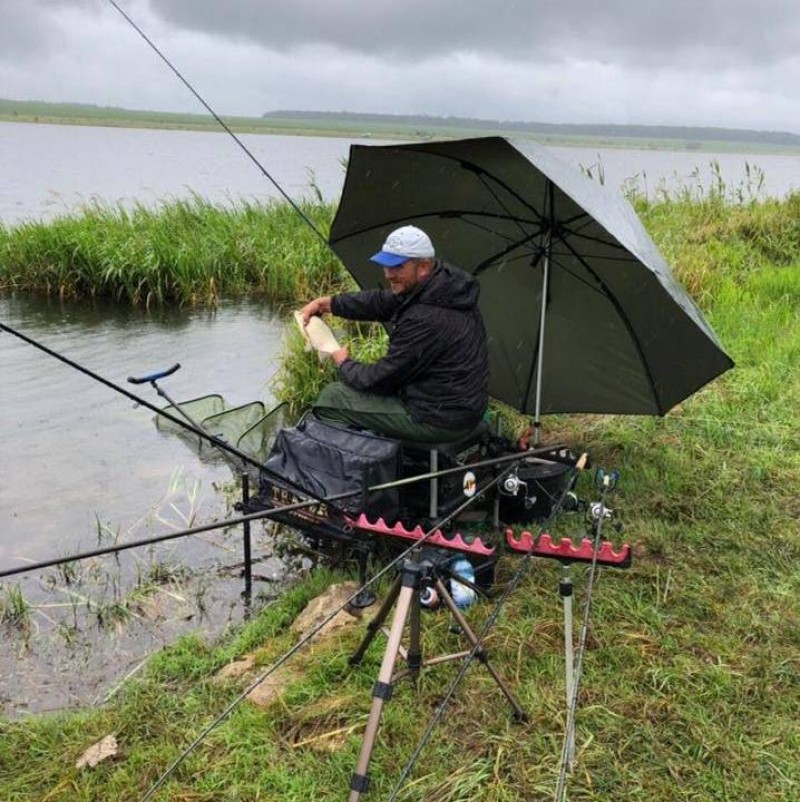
(382,414)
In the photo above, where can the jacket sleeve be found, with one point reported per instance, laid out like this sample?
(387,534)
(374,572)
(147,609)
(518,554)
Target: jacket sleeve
(412,347)
(378,305)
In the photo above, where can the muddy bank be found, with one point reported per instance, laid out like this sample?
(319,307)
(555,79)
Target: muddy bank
(73,634)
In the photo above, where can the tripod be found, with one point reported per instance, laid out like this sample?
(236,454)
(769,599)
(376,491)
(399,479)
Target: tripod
(414,576)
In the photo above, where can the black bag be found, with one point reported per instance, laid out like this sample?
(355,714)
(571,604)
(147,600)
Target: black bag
(325,460)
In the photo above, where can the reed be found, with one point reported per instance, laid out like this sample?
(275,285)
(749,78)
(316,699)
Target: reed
(185,252)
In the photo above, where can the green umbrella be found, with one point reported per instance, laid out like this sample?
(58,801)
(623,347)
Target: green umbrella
(582,312)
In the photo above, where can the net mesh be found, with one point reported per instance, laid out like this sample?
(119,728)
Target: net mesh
(249,428)
(257,441)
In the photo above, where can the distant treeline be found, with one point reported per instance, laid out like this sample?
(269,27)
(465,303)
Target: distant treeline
(413,126)
(556,129)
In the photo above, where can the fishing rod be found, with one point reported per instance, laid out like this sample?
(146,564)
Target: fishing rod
(192,427)
(269,514)
(221,122)
(309,635)
(607,483)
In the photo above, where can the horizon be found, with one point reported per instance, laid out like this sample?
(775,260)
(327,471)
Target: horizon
(288,112)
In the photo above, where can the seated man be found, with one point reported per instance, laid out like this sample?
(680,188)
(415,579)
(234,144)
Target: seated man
(432,384)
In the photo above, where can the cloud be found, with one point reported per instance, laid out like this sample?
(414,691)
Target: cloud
(621,31)
(719,62)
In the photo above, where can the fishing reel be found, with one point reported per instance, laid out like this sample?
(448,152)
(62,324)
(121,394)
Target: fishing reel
(512,485)
(597,514)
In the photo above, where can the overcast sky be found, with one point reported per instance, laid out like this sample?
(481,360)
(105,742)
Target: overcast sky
(731,63)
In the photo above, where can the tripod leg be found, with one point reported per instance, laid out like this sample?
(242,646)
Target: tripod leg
(374,626)
(519,713)
(365,597)
(382,691)
(414,656)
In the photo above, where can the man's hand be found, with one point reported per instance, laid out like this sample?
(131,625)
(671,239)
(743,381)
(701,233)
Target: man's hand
(340,356)
(317,307)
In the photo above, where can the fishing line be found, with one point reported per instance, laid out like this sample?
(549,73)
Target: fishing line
(211,111)
(309,635)
(512,586)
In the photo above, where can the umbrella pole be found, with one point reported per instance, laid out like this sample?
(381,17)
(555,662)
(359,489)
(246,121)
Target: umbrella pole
(540,356)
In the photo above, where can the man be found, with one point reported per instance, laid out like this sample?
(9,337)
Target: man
(432,384)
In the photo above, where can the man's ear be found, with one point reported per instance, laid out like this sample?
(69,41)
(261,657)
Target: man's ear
(426,267)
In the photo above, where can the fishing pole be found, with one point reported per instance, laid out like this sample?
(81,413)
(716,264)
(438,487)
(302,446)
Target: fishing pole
(269,514)
(607,483)
(221,122)
(309,635)
(135,398)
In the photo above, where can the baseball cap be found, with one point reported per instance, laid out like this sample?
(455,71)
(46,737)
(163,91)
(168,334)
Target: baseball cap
(408,242)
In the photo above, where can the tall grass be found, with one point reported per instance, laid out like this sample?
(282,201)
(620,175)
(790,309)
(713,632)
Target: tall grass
(187,252)
(691,684)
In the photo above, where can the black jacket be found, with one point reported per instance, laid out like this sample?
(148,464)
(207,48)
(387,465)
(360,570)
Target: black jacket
(437,362)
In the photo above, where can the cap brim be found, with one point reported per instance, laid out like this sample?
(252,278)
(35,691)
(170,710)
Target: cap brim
(388,259)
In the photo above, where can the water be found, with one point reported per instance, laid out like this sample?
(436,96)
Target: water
(73,451)
(49,170)
(83,466)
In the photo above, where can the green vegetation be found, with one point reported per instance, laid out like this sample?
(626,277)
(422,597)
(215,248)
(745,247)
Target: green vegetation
(185,252)
(691,685)
(30,111)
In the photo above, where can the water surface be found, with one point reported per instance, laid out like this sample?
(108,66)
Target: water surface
(73,451)
(82,466)
(52,169)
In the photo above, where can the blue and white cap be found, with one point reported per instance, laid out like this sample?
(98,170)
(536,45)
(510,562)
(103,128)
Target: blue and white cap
(408,242)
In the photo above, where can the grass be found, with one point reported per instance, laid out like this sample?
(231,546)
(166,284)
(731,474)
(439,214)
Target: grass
(691,685)
(185,252)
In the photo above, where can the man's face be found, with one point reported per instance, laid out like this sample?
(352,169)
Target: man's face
(403,278)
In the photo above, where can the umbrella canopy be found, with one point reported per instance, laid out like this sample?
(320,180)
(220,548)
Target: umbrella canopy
(582,312)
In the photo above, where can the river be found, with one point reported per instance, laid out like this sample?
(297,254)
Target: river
(51,169)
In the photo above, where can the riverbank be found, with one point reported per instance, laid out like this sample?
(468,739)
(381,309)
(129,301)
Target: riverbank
(691,680)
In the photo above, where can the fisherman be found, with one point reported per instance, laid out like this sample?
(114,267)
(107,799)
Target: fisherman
(432,384)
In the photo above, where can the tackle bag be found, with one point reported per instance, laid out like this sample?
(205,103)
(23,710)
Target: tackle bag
(325,460)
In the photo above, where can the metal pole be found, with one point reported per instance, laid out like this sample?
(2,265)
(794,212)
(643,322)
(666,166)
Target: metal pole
(433,502)
(248,560)
(565,591)
(540,356)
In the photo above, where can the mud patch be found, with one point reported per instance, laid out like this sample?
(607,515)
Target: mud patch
(80,630)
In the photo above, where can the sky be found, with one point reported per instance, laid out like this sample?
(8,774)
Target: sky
(727,63)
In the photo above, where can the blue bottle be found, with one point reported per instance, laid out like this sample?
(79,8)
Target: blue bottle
(463,595)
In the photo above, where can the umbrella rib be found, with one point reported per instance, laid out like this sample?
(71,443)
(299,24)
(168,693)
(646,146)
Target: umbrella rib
(536,252)
(463,216)
(484,176)
(436,213)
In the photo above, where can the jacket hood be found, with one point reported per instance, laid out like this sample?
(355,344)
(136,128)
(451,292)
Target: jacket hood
(448,287)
